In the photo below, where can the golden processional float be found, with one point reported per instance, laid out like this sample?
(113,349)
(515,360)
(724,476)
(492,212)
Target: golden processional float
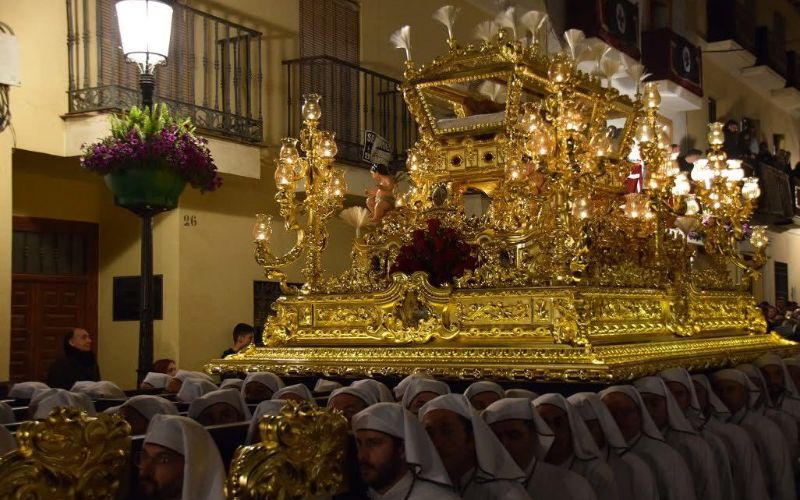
(566,276)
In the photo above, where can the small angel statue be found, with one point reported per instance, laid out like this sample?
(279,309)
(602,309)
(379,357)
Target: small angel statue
(381,199)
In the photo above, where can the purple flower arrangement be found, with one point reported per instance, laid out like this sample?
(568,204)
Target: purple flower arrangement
(154,139)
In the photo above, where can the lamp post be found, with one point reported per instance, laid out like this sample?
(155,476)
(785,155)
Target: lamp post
(145,27)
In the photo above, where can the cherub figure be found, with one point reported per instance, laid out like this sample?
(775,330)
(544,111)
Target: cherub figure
(380,199)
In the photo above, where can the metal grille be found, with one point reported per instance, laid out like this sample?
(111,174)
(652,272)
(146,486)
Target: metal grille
(213,74)
(378,105)
(48,253)
(330,28)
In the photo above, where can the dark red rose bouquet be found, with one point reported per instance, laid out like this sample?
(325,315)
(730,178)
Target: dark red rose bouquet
(439,251)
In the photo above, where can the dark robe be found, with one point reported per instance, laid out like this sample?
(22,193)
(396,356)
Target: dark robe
(74,366)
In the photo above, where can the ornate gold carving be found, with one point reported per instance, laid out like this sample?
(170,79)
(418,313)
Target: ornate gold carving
(574,274)
(68,455)
(300,456)
(495,312)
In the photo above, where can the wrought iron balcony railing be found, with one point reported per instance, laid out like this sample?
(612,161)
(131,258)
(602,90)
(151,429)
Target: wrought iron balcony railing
(355,99)
(213,74)
(777,202)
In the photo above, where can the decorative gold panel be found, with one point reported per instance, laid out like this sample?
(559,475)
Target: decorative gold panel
(67,456)
(299,456)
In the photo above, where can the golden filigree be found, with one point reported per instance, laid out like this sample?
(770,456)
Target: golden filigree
(67,455)
(300,456)
(570,266)
(495,312)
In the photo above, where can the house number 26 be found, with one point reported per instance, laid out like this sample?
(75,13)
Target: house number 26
(189,220)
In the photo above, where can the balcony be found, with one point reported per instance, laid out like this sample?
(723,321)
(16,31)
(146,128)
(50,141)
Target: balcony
(788,97)
(614,22)
(355,99)
(677,65)
(731,34)
(777,204)
(213,74)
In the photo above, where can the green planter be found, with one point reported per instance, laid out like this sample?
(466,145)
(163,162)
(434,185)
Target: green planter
(146,188)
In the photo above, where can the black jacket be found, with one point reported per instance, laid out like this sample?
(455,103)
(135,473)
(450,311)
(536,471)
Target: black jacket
(74,366)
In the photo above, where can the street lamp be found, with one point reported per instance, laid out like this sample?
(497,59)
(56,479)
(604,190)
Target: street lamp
(145,27)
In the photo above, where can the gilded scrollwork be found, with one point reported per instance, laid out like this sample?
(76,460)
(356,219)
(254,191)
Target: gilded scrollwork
(299,456)
(68,455)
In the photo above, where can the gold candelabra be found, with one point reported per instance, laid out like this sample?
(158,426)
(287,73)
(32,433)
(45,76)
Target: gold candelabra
(324,187)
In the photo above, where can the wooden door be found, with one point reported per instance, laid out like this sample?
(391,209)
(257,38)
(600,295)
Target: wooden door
(54,289)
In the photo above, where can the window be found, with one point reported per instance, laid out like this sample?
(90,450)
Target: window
(330,28)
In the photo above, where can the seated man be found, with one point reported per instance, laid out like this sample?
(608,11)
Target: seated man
(478,465)
(139,410)
(179,460)
(671,473)
(527,438)
(748,478)
(296,392)
(242,337)
(350,400)
(573,447)
(260,386)
(219,407)
(482,394)
(631,473)
(421,390)
(740,395)
(396,457)
(680,434)
(78,362)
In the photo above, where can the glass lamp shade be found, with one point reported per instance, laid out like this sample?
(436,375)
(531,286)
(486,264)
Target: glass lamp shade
(681,186)
(758,236)
(311,109)
(651,97)
(692,207)
(750,189)
(716,136)
(326,147)
(145,27)
(262,229)
(700,171)
(644,133)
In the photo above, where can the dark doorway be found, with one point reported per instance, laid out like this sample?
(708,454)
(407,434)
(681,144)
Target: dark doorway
(53,288)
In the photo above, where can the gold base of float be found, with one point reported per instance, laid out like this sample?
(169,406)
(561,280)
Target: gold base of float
(565,334)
